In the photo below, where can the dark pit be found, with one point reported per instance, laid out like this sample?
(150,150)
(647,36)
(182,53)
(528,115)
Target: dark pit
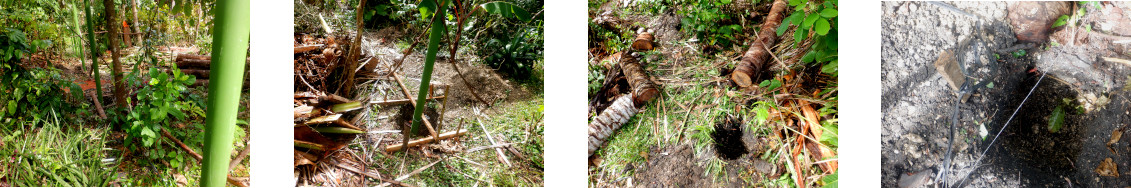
(728,139)
(1041,156)
(404,119)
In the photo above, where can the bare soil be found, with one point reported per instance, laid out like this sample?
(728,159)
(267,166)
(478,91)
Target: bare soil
(917,103)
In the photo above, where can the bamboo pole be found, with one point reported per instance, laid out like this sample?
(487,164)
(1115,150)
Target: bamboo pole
(93,57)
(229,48)
(437,32)
(397,147)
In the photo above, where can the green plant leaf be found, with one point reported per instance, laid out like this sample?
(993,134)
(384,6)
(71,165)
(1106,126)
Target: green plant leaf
(1056,119)
(831,180)
(506,9)
(11,107)
(828,13)
(830,68)
(822,27)
(809,20)
(1060,21)
(809,57)
(799,35)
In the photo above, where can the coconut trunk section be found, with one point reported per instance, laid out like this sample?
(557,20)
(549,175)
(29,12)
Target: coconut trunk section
(643,90)
(754,60)
(610,120)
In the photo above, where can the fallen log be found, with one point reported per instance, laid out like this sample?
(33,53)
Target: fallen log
(182,57)
(610,120)
(184,61)
(755,58)
(643,90)
(200,82)
(397,147)
(199,73)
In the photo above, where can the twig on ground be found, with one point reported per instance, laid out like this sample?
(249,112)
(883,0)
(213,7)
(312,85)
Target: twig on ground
(499,152)
(488,147)
(378,177)
(239,158)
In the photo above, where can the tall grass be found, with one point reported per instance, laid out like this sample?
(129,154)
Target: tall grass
(53,155)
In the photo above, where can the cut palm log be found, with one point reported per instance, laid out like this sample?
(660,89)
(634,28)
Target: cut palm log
(755,58)
(643,90)
(643,41)
(610,120)
(397,147)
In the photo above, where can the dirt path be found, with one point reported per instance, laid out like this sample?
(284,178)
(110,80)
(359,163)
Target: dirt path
(917,104)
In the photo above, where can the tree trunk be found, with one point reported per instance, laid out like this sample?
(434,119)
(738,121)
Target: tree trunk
(136,28)
(643,90)
(119,85)
(610,120)
(754,60)
(355,50)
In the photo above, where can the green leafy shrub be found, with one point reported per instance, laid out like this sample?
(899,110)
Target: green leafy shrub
(710,23)
(160,98)
(33,91)
(513,41)
(820,20)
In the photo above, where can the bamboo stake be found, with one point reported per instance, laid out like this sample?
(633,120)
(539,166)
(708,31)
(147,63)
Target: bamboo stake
(404,90)
(402,101)
(397,147)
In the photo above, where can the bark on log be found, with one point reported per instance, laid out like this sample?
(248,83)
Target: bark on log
(397,147)
(182,57)
(194,63)
(185,61)
(610,120)
(754,60)
(643,90)
(200,82)
(200,74)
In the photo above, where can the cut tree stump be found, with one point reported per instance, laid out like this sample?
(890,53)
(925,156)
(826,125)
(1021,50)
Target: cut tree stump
(754,60)
(643,90)
(610,120)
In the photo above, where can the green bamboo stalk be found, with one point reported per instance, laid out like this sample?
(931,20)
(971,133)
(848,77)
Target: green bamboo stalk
(93,53)
(229,48)
(438,28)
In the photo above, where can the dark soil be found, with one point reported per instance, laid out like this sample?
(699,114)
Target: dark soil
(728,139)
